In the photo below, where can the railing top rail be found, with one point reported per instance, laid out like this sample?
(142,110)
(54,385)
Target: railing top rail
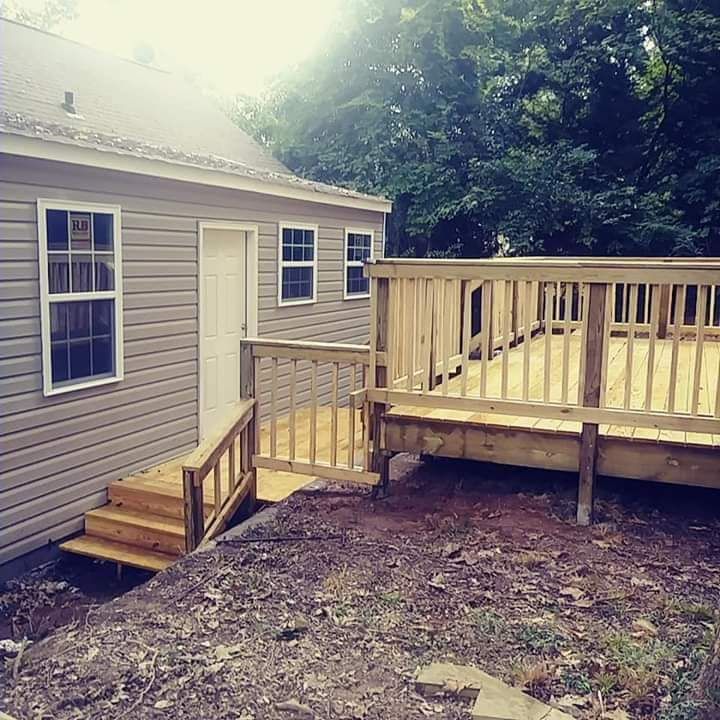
(309,350)
(642,270)
(209,451)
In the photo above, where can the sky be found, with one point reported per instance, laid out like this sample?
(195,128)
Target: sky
(231,45)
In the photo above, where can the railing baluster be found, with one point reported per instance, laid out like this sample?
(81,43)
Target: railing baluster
(680,296)
(312,440)
(334,414)
(467,289)
(629,357)
(486,340)
(351,418)
(445,326)
(506,329)
(217,489)
(607,326)
(410,331)
(293,400)
(653,292)
(273,406)
(231,467)
(700,309)
(429,360)
(566,342)
(527,338)
(549,288)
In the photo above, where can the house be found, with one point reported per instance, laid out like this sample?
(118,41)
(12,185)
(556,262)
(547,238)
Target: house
(142,235)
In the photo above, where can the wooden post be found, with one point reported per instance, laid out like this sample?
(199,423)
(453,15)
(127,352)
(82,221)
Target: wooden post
(591,398)
(664,307)
(380,461)
(247,392)
(194,515)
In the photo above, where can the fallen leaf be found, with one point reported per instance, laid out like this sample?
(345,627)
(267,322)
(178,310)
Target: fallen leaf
(438,582)
(573,592)
(618,714)
(645,626)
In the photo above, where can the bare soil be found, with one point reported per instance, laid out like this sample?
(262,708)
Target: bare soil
(328,609)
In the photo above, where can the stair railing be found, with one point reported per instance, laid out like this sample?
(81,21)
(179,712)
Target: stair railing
(227,455)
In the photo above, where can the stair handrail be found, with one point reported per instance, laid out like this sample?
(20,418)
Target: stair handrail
(206,458)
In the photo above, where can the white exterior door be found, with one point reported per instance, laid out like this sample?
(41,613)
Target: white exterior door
(223,323)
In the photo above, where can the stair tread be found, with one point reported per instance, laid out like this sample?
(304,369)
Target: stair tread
(145,520)
(123,553)
(153,486)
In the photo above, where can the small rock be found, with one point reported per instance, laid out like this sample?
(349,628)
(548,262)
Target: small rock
(295,707)
(163,704)
(10,648)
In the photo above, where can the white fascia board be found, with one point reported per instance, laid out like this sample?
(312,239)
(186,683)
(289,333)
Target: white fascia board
(62,151)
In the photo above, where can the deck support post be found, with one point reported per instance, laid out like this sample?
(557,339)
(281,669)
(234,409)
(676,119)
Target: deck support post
(379,460)
(591,398)
(194,511)
(247,392)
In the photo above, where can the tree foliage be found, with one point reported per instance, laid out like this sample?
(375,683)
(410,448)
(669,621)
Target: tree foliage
(538,126)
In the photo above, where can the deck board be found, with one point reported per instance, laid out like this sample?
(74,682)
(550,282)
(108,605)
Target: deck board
(617,355)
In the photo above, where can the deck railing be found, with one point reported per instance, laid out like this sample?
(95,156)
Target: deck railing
(611,342)
(313,408)
(440,315)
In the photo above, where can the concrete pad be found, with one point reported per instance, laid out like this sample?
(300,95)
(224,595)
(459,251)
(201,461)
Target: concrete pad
(494,699)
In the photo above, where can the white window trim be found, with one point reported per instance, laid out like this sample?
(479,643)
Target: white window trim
(46,298)
(287,225)
(356,263)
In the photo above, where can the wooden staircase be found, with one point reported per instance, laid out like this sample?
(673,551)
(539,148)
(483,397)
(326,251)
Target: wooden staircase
(142,525)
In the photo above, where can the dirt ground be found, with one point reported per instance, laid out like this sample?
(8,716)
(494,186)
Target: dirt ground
(328,609)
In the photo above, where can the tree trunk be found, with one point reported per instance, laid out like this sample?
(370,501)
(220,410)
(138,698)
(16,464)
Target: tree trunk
(709,683)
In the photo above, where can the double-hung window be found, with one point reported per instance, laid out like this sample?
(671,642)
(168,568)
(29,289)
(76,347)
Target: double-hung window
(297,269)
(80,294)
(358,249)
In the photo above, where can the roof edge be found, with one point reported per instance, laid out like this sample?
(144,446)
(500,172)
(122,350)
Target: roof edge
(44,148)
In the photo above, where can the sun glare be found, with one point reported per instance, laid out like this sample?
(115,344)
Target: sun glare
(230,46)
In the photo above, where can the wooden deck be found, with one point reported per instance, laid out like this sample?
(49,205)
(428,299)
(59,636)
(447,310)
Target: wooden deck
(625,451)
(617,375)
(594,366)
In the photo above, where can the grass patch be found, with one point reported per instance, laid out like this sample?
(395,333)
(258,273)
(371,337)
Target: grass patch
(539,639)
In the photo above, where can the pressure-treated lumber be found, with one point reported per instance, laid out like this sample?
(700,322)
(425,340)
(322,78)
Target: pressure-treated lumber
(122,553)
(591,398)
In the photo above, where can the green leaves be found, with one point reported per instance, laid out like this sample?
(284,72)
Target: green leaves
(560,127)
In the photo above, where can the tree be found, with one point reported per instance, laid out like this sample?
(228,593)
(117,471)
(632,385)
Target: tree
(551,126)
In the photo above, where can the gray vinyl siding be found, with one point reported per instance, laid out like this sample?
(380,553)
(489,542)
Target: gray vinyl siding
(59,453)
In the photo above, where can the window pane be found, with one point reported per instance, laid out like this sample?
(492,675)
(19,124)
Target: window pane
(102,355)
(79,359)
(358,246)
(356,283)
(79,319)
(297,283)
(82,273)
(58,321)
(56,222)
(104,272)
(58,274)
(298,245)
(102,317)
(79,231)
(59,362)
(102,231)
